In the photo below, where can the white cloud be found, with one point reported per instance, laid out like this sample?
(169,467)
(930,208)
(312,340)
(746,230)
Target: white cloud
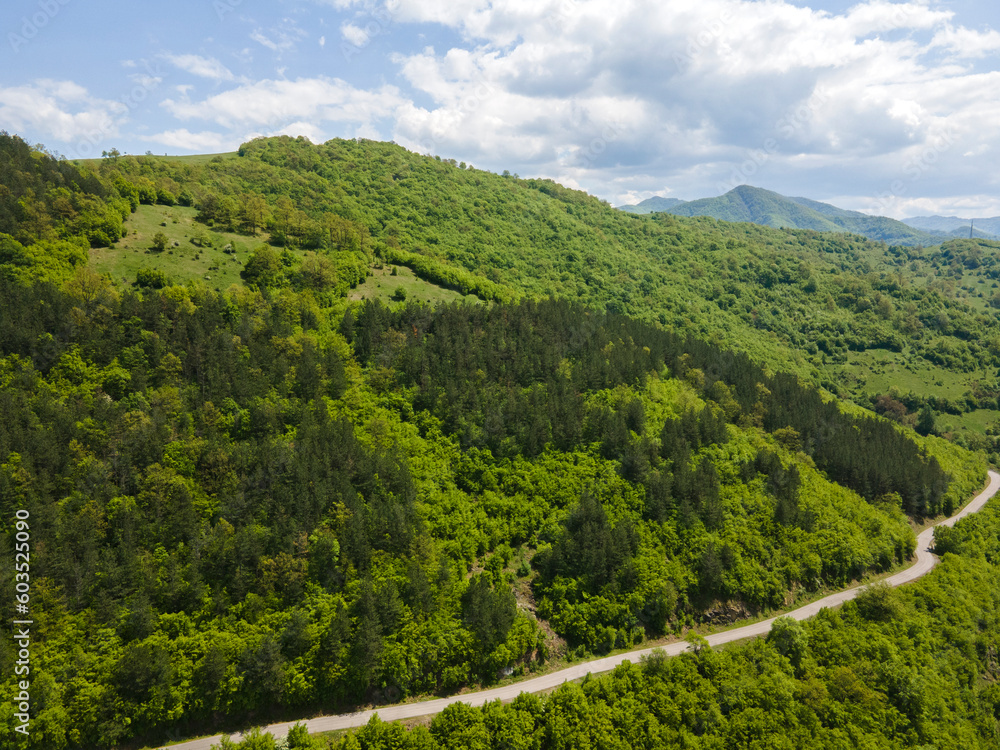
(63,111)
(281,39)
(204,142)
(310,130)
(273,103)
(692,88)
(259,37)
(204,67)
(964,42)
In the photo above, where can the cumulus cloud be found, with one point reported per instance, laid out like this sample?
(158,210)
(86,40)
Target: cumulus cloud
(63,111)
(354,34)
(206,141)
(626,97)
(274,103)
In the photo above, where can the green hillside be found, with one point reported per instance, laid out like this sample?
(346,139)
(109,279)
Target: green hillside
(893,327)
(335,482)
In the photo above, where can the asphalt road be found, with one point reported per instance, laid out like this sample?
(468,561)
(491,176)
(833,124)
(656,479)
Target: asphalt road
(926,560)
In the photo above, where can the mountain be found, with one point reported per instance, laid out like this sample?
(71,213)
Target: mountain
(856,316)
(955,226)
(765,207)
(651,205)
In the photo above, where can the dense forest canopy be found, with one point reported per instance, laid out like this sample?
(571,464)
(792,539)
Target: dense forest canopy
(270,499)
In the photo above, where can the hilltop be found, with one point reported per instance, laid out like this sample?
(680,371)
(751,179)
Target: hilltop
(866,320)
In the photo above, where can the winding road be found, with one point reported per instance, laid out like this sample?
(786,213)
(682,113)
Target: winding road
(926,560)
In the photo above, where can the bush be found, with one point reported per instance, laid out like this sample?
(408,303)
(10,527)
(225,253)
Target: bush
(159,242)
(149,278)
(879,602)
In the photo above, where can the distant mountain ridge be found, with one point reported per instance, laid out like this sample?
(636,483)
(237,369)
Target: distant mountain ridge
(652,205)
(954,226)
(759,206)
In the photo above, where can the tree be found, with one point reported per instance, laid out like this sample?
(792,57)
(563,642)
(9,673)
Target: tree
(789,637)
(252,212)
(263,268)
(925,422)
(488,612)
(151,278)
(159,242)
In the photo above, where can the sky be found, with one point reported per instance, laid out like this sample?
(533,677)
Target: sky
(891,108)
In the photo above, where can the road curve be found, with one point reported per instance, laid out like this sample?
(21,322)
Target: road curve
(925,562)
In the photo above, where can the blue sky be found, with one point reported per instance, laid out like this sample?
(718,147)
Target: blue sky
(887,107)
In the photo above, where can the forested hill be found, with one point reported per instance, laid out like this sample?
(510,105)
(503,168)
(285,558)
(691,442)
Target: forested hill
(899,329)
(271,499)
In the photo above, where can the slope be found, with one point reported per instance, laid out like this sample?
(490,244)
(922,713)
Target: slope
(901,328)
(926,562)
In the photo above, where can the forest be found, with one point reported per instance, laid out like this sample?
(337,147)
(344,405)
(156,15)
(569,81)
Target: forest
(269,500)
(911,667)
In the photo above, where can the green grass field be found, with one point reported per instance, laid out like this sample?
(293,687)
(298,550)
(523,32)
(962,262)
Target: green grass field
(877,370)
(973,421)
(383,285)
(183,260)
(187,159)
(200,158)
